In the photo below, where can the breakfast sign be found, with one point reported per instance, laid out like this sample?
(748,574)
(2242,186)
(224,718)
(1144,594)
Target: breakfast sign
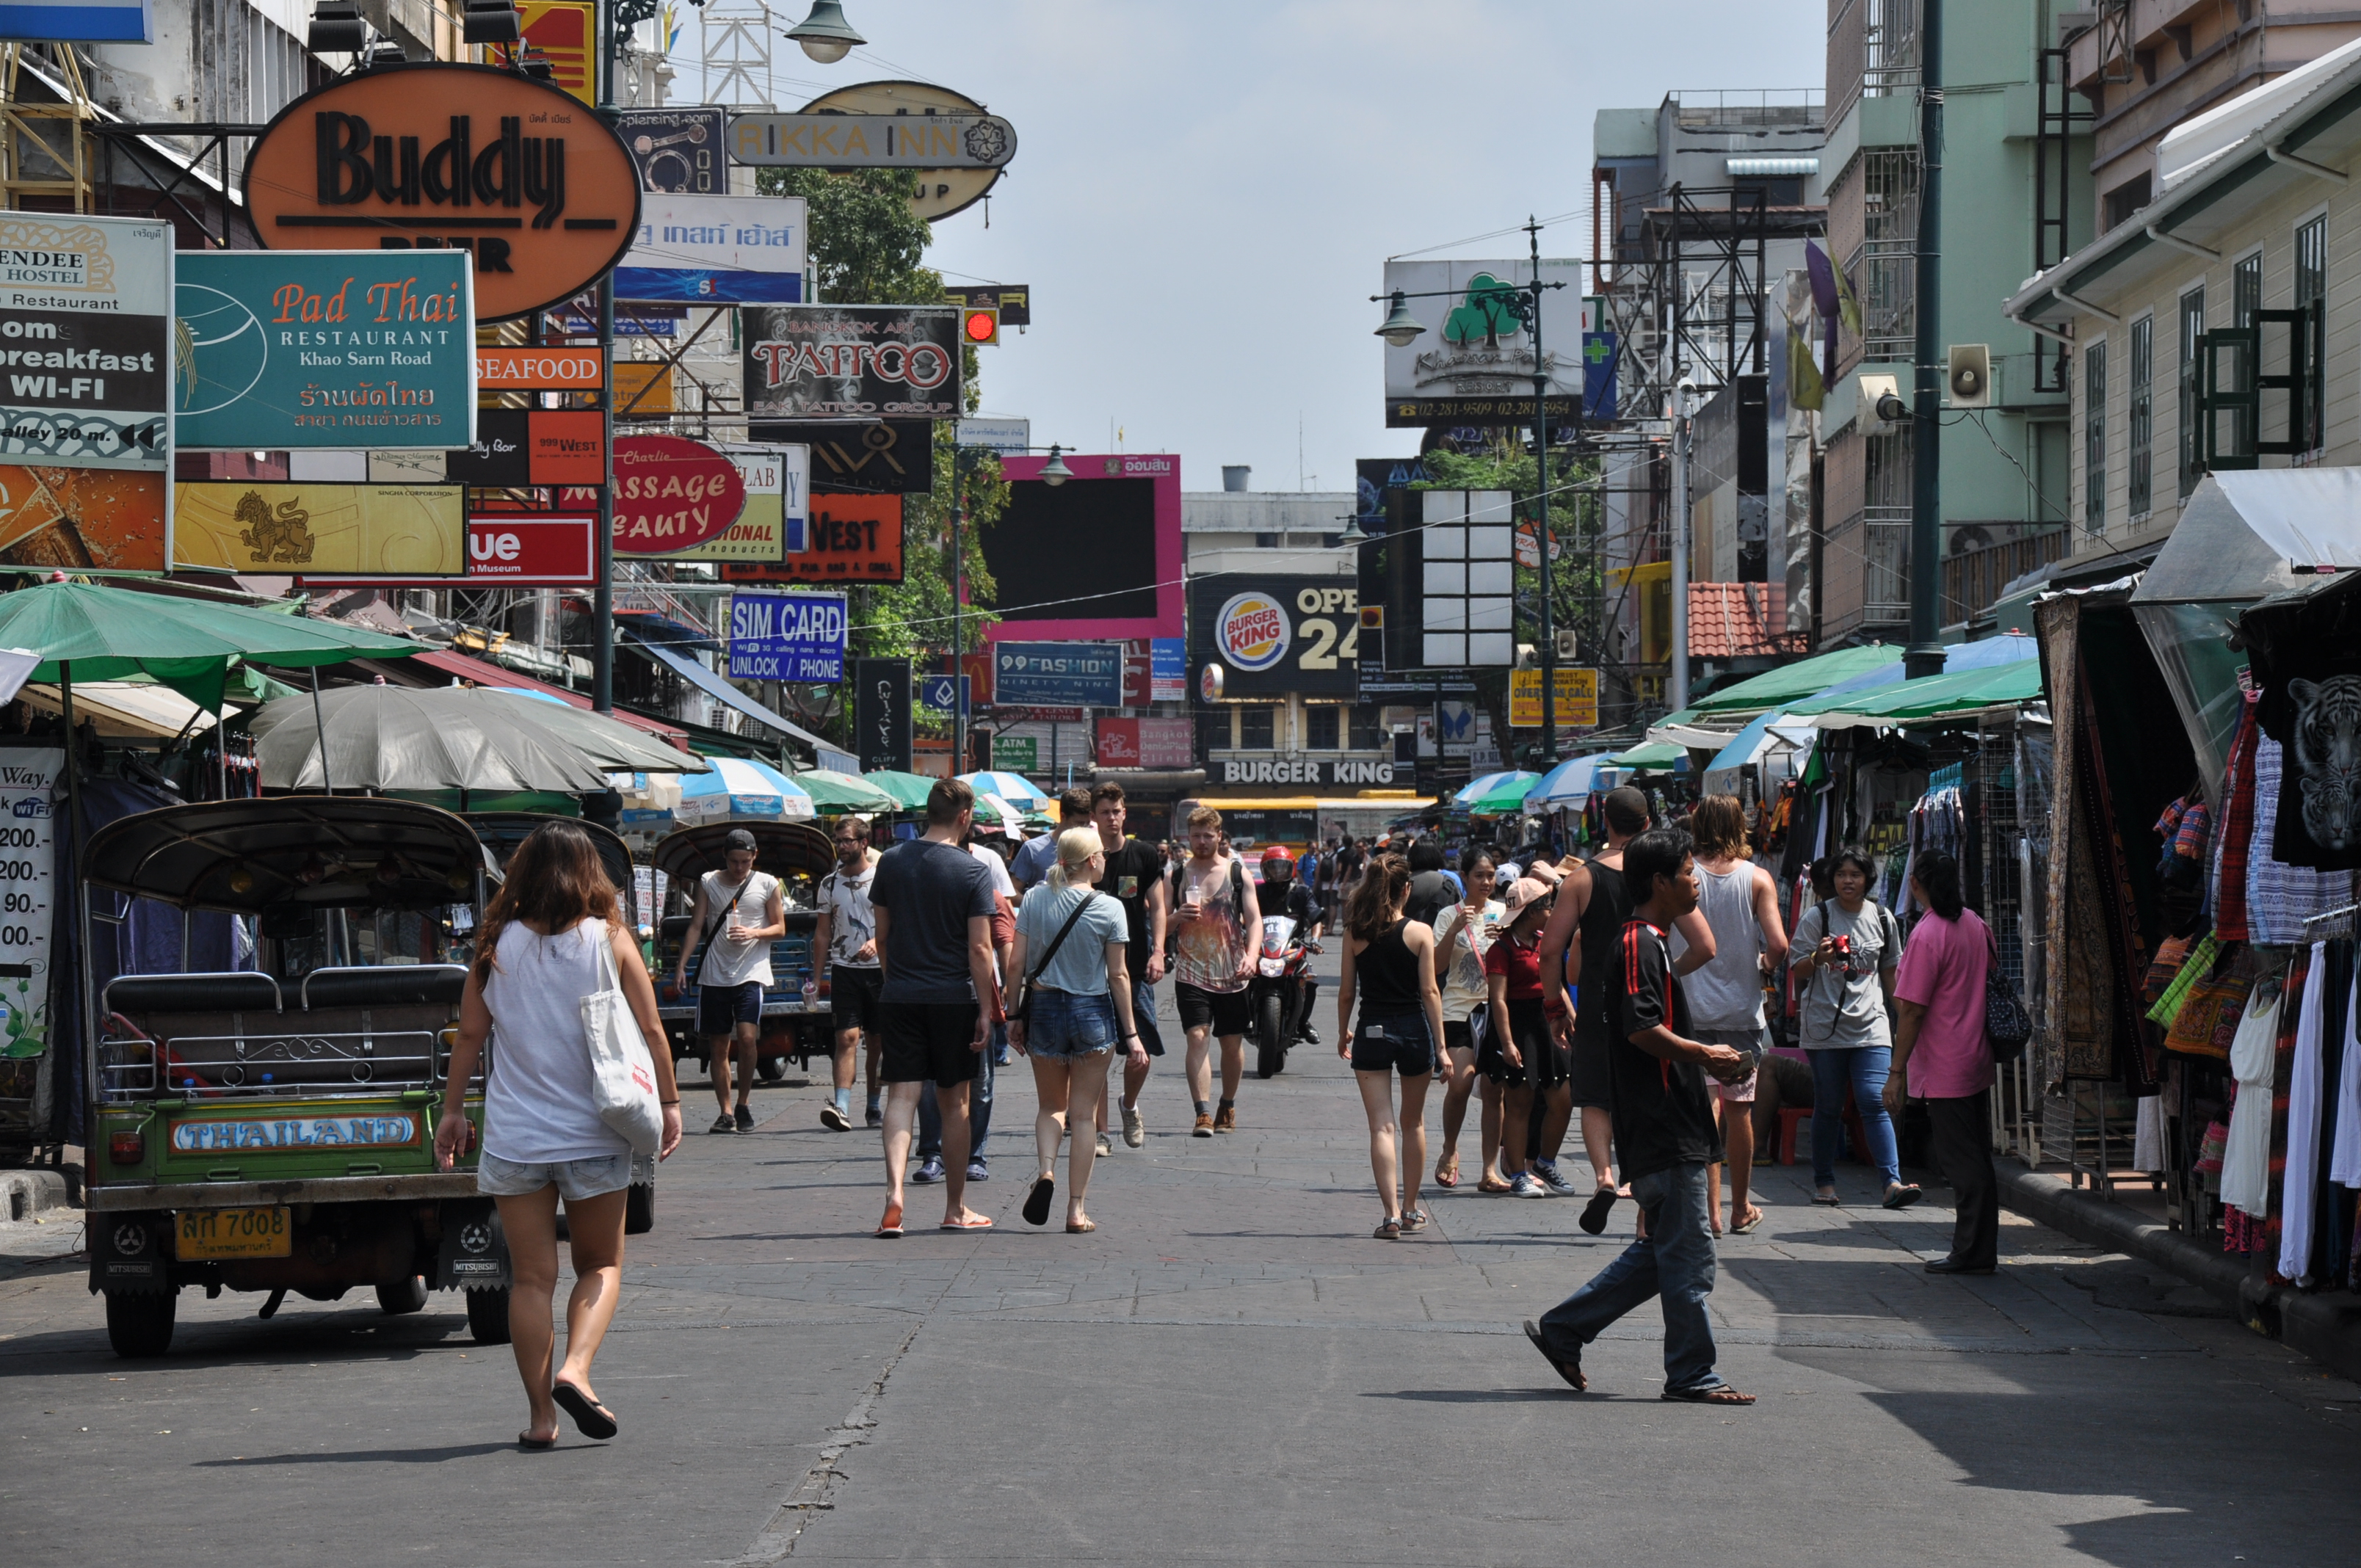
(522,177)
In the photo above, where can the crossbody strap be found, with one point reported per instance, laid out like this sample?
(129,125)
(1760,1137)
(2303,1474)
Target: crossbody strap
(1058,941)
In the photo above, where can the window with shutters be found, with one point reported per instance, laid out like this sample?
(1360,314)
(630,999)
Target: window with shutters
(2139,461)
(2094,437)
(2312,296)
(2190,426)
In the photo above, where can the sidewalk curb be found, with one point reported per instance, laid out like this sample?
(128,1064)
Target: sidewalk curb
(2323,1325)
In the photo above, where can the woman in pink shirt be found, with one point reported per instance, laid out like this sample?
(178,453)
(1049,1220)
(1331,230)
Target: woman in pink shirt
(1940,1044)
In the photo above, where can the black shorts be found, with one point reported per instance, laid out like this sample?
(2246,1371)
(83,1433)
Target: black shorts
(1397,1044)
(721,1008)
(1227,1012)
(852,996)
(1458,1035)
(1593,1084)
(1547,1063)
(1490,1062)
(929,1042)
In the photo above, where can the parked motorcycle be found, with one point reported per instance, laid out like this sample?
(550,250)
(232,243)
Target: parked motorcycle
(1279,992)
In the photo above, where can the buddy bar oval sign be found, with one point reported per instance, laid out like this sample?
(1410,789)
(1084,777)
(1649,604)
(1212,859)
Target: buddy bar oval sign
(524,177)
(1252,631)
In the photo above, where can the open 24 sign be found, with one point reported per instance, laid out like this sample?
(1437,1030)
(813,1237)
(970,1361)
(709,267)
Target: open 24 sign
(780,636)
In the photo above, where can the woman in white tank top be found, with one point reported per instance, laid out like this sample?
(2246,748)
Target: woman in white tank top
(543,1139)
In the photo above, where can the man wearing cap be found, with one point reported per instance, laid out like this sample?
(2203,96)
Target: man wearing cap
(1040,853)
(1283,892)
(731,954)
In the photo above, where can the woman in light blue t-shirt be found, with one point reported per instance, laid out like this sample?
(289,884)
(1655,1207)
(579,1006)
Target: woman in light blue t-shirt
(1080,1007)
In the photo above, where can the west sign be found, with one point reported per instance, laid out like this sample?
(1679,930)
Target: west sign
(434,157)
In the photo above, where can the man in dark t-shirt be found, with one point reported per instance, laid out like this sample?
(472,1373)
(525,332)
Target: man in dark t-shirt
(1134,879)
(1664,1134)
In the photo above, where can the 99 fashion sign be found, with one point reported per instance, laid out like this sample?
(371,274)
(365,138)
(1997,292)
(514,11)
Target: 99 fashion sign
(1273,635)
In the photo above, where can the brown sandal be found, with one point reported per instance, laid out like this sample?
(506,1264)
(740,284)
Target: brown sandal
(1081,1227)
(1446,1172)
(1491,1184)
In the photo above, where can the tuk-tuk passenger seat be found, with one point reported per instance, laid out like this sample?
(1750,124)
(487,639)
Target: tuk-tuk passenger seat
(230,992)
(389,985)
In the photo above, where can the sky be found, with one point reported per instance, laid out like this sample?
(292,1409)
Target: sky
(1204,192)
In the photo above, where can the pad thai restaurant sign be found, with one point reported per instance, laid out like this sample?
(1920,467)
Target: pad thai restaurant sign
(523,177)
(373,349)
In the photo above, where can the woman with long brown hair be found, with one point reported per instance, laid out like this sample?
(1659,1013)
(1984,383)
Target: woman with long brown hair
(536,959)
(1389,964)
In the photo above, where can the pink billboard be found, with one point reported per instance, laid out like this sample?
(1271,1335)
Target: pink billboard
(1094,559)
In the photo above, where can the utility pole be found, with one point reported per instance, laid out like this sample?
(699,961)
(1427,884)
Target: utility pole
(1678,687)
(602,598)
(1541,502)
(1923,656)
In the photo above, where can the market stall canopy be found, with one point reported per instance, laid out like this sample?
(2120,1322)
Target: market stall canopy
(124,710)
(833,790)
(739,788)
(106,635)
(439,737)
(1015,788)
(605,737)
(316,850)
(908,790)
(1569,783)
(478,672)
(1769,735)
(1496,795)
(1653,757)
(2241,534)
(721,690)
(1955,694)
(1759,694)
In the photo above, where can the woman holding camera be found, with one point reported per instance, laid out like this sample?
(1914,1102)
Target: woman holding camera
(1843,958)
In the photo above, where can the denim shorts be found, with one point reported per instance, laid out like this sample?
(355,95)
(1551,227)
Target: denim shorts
(721,1008)
(575,1178)
(1065,1025)
(1386,1044)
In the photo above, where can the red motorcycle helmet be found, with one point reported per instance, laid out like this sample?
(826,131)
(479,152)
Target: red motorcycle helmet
(1276,855)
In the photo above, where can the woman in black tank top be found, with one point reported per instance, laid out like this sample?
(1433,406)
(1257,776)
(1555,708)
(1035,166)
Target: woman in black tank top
(1389,966)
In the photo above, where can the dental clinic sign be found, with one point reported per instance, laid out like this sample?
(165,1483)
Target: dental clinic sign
(777,635)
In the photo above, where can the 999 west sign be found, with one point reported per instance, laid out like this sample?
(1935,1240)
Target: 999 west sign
(1272,635)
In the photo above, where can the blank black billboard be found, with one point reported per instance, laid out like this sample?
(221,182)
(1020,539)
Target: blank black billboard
(1057,546)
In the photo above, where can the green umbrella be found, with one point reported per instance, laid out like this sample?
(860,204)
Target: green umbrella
(908,790)
(96,633)
(832,791)
(246,684)
(1655,757)
(1806,677)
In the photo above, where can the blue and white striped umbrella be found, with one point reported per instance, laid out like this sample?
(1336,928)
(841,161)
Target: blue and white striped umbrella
(738,787)
(1014,788)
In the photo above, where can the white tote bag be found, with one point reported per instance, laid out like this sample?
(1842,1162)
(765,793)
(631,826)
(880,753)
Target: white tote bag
(622,1074)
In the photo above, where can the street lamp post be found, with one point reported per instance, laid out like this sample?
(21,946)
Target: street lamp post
(1522,301)
(1053,474)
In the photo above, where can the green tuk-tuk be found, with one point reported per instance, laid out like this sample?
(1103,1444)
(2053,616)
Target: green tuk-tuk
(271,1126)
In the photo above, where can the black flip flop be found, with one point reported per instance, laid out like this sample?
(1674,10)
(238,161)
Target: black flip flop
(1569,1370)
(1904,1196)
(590,1419)
(535,1444)
(1036,1202)
(1595,1212)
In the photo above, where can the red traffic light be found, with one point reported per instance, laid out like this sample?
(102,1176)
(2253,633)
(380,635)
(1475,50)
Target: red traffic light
(981,326)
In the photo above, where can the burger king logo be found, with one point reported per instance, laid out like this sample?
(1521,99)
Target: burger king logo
(1252,632)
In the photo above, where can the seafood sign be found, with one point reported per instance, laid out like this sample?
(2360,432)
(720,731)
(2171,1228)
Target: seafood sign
(344,349)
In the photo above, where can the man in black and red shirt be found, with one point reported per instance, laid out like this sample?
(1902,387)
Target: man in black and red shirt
(1665,1137)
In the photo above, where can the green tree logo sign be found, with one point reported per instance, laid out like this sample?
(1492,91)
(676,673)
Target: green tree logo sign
(1488,313)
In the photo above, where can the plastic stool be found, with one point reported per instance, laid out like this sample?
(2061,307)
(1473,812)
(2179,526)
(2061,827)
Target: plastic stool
(1792,1120)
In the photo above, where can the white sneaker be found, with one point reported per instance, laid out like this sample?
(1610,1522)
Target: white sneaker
(1105,1147)
(1135,1131)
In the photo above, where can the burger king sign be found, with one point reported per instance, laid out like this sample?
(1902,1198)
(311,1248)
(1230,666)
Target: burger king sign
(1251,632)
(1273,635)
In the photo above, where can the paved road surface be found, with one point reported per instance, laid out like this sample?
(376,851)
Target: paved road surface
(1231,1370)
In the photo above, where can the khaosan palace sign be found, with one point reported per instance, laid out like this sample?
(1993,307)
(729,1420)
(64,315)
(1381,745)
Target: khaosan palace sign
(1340,772)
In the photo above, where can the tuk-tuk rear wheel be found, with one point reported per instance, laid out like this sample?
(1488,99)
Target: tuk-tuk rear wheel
(403,1297)
(139,1325)
(771,1068)
(487,1316)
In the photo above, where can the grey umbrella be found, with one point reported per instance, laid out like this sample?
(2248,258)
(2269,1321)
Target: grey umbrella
(404,738)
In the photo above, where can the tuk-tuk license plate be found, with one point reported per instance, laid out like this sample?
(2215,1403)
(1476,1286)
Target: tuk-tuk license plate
(233,1233)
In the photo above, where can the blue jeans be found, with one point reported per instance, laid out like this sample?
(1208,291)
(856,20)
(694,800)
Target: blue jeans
(1674,1260)
(979,1106)
(1863,1070)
